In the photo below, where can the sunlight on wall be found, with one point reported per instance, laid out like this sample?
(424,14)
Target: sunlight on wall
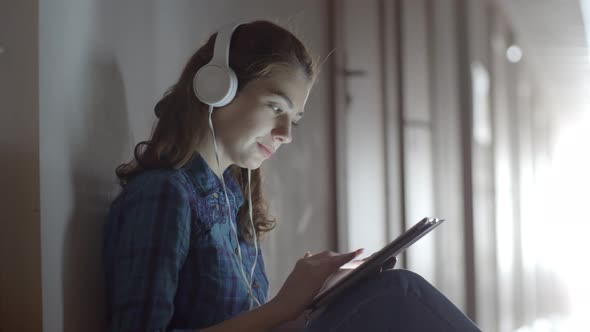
(571,183)
(563,238)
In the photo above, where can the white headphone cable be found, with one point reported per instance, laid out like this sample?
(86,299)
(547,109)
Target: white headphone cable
(252,225)
(233,227)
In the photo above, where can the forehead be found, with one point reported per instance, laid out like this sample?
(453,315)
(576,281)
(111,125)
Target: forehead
(292,84)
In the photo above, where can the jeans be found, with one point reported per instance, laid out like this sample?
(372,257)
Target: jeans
(393,300)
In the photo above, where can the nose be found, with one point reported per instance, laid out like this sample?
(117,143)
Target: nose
(282,131)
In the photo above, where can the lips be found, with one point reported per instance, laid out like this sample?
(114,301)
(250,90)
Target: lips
(265,150)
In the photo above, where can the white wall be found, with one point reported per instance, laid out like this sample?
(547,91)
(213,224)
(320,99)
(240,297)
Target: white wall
(103,65)
(504,178)
(448,153)
(363,140)
(419,189)
(482,142)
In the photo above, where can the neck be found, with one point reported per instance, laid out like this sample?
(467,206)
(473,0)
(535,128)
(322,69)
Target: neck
(207,151)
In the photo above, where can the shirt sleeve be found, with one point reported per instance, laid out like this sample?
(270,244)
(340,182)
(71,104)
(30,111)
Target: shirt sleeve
(151,245)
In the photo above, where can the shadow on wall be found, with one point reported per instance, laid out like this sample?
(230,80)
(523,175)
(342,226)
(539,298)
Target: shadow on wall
(99,140)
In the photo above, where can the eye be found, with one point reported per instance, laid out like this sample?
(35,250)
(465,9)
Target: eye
(276,109)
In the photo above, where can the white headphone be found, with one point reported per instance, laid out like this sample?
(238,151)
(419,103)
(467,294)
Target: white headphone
(215,84)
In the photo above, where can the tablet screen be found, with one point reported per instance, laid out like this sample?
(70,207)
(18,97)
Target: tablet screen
(347,278)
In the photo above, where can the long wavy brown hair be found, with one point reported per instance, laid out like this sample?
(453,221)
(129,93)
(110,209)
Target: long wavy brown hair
(256,48)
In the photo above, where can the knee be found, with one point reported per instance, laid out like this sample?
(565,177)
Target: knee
(402,281)
(405,275)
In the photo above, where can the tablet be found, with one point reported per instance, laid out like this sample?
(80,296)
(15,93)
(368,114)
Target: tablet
(381,260)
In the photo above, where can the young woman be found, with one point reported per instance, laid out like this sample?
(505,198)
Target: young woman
(181,243)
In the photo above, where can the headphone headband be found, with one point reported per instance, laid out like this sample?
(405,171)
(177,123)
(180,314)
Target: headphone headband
(222,43)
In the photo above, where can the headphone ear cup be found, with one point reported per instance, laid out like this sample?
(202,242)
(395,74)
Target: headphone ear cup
(215,84)
(233,90)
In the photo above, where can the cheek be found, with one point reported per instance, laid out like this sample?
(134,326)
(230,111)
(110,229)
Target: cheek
(242,132)
(254,121)
(246,123)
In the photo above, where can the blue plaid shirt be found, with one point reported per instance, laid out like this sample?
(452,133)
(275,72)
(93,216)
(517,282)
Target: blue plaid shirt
(170,253)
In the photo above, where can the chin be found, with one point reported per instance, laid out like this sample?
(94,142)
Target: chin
(251,163)
(255,165)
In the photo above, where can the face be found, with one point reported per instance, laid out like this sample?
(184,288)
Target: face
(261,117)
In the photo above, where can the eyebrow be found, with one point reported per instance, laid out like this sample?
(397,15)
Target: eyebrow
(283,95)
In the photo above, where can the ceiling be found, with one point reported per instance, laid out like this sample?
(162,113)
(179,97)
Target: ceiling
(554,38)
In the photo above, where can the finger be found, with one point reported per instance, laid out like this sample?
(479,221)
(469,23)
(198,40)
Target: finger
(307,254)
(325,254)
(345,258)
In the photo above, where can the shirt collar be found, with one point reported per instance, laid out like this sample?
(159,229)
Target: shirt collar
(206,181)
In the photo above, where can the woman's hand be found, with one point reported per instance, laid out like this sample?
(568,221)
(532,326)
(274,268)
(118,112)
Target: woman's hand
(306,279)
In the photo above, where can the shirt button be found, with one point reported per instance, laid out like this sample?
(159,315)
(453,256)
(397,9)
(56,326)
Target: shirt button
(255,284)
(236,250)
